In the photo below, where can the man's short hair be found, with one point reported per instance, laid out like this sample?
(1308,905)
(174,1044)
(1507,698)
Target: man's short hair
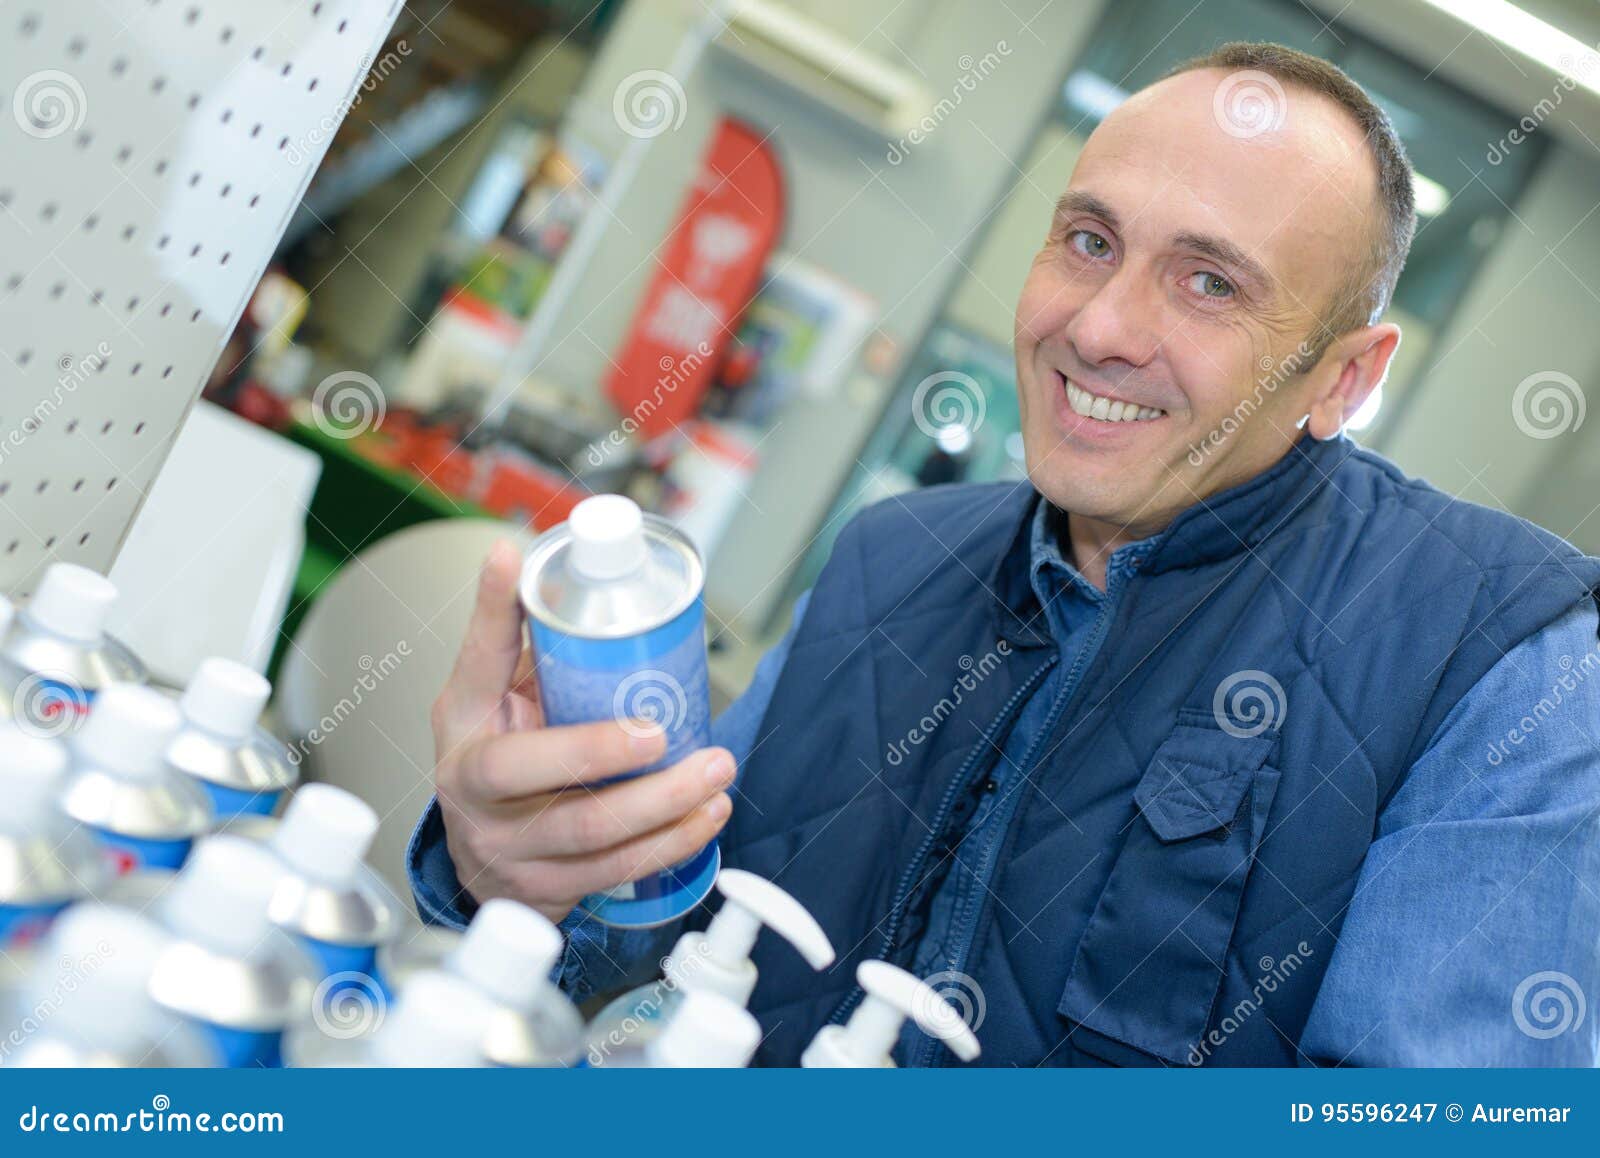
(1365,292)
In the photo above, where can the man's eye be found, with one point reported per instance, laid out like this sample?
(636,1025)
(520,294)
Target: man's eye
(1089,243)
(1211,285)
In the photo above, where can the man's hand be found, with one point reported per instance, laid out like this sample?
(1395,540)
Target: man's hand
(521,814)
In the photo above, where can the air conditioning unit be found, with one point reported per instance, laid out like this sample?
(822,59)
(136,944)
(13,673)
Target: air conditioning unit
(823,66)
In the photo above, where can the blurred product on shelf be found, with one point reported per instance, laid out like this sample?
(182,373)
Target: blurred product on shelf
(229,968)
(617,621)
(55,655)
(242,766)
(891,997)
(506,954)
(708,468)
(717,961)
(708,1032)
(327,897)
(85,1000)
(46,860)
(438,1021)
(145,812)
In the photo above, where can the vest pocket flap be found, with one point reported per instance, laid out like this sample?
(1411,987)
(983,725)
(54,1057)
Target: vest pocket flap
(1198,778)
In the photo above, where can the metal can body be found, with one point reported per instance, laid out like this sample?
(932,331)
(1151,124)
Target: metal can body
(628,650)
(41,873)
(140,825)
(251,777)
(50,683)
(243,1005)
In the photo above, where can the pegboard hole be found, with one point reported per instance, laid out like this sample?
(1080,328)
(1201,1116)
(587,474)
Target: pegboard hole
(83,538)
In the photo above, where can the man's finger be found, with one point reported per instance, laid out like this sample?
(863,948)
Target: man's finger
(581,822)
(517,765)
(487,663)
(642,855)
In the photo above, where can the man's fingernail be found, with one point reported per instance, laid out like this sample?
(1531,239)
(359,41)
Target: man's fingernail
(720,807)
(719,769)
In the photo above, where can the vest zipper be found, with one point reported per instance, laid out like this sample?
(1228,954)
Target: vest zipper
(908,878)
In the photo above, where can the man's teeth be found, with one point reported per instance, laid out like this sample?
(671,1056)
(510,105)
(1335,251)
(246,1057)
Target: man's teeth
(1093,406)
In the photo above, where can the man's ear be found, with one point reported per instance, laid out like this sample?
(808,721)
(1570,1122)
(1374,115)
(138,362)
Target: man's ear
(1352,369)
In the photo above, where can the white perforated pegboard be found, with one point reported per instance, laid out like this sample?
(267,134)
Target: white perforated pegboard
(151,153)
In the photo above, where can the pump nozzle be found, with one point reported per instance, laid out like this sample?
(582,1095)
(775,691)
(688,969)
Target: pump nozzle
(719,959)
(708,1032)
(507,952)
(893,995)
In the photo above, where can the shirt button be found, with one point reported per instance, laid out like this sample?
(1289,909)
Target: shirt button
(991,784)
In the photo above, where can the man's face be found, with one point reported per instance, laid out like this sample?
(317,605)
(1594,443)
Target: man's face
(1187,263)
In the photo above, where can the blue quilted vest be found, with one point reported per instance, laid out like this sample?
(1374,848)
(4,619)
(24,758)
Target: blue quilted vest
(1198,810)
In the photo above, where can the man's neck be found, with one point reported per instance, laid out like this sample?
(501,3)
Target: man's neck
(1090,544)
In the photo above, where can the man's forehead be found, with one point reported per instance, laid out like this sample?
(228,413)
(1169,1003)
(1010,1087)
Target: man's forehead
(1169,158)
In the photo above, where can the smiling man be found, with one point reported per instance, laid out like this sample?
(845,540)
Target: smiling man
(1245,749)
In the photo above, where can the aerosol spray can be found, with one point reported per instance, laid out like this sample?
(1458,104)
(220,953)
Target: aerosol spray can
(145,812)
(46,860)
(220,745)
(617,619)
(55,656)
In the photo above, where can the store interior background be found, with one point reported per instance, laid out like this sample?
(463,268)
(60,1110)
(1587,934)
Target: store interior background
(920,256)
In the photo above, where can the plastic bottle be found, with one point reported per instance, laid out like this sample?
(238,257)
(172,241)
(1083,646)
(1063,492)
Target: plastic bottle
(55,655)
(87,1003)
(46,860)
(230,969)
(708,1032)
(717,960)
(221,744)
(144,811)
(867,1039)
(327,897)
(506,953)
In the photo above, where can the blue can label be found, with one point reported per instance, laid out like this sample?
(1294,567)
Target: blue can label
(53,706)
(22,925)
(128,854)
(236,801)
(659,676)
(246,1048)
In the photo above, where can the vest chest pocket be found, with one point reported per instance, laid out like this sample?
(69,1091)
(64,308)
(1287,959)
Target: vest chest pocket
(1150,963)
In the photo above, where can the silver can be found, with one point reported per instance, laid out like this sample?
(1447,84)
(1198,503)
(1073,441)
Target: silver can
(46,861)
(222,746)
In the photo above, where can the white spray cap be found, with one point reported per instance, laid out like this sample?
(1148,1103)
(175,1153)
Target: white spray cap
(865,1041)
(507,953)
(109,954)
(438,1021)
(73,601)
(225,698)
(220,897)
(707,1032)
(325,834)
(129,731)
(30,775)
(607,537)
(719,958)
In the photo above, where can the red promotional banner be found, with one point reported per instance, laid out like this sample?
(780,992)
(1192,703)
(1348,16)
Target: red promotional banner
(706,273)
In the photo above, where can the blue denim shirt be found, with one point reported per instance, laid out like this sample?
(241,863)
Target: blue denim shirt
(1490,842)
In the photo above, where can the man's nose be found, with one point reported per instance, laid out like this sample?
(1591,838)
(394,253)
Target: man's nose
(1121,322)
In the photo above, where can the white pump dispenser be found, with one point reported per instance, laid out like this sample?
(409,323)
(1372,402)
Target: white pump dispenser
(893,995)
(715,961)
(710,1032)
